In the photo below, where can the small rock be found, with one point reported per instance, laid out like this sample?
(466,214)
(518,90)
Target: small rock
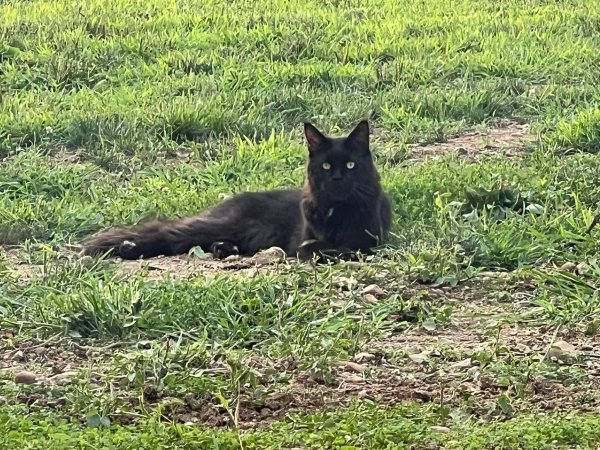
(412,349)
(265,412)
(364,394)
(269,256)
(464,364)
(25,377)
(418,358)
(568,266)
(63,378)
(370,298)
(18,356)
(232,258)
(565,346)
(582,268)
(523,348)
(562,350)
(351,378)
(352,366)
(364,357)
(437,429)
(375,290)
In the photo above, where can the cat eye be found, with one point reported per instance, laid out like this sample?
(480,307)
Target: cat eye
(326,166)
(350,164)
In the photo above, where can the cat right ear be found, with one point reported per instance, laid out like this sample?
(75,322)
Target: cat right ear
(314,137)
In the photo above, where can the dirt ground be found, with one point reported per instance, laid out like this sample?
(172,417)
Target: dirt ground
(507,138)
(466,364)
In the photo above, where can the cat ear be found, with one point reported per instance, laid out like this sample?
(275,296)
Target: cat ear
(359,138)
(314,137)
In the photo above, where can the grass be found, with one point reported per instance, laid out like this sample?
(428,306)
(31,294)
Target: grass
(349,429)
(111,113)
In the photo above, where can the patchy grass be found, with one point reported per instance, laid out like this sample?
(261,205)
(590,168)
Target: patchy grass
(467,331)
(356,427)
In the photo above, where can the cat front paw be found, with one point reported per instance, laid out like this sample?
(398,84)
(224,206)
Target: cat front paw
(129,250)
(222,250)
(323,252)
(309,249)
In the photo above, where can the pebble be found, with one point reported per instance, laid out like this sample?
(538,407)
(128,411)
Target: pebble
(374,290)
(569,266)
(63,378)
(364,394)
(25,377)
(464,364)
(419,358)
(352,366)
(370,298)
(269,256)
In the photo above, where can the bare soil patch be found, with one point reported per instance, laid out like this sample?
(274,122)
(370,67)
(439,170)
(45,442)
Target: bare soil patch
(180,267)
(183,267)
(505,137)
(53,362)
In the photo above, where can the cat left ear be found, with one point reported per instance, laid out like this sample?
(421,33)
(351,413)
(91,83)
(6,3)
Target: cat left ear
(359,138)
(314,137)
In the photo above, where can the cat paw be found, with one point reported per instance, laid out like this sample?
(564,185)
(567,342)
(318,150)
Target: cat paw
(222,250)
(309,249)
(128,250)
(323,253)
(345,254)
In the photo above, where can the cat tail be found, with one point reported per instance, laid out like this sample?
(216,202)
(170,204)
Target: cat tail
(159,237)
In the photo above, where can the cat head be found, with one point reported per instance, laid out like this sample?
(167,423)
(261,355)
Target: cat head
(341,168)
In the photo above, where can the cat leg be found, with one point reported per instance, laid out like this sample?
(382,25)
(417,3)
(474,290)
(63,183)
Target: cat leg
(223,249)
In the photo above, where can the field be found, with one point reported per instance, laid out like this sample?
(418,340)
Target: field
(477,326)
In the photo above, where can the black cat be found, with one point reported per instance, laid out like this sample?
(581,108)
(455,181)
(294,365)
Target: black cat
(341,210)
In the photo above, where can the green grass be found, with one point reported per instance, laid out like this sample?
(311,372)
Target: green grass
(113,112)
(353,428)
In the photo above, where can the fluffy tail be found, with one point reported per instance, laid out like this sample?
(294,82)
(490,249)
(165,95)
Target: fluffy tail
(159,237)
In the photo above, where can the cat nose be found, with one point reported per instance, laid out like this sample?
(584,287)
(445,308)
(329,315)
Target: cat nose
(337,175)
